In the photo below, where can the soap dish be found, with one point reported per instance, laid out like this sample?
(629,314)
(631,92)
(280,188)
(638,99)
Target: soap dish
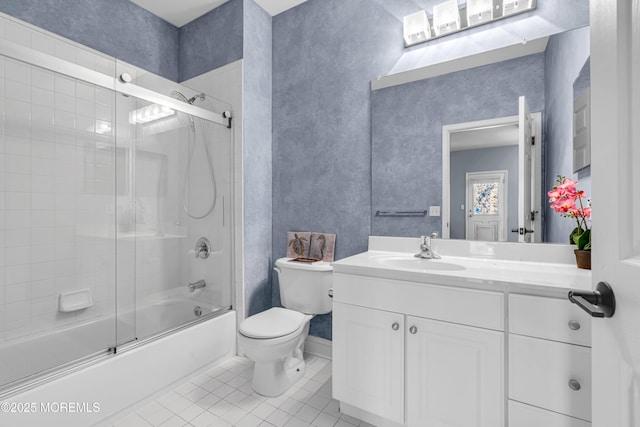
(74,300)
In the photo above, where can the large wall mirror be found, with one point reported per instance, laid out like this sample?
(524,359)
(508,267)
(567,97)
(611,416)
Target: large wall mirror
(471,153)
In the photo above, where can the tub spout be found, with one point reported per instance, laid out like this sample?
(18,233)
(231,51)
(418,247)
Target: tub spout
(197,285)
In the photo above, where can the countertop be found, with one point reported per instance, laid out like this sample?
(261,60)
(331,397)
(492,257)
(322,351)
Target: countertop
(490,274)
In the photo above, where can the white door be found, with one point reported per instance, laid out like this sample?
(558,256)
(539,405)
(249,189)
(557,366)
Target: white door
(486,199)
(455,375)
(525,132)
(368,360)
(615,143)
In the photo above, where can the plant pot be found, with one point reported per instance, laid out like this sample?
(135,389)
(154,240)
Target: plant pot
(583,259)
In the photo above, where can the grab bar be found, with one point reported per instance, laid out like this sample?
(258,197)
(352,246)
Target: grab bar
(197,285)
(401,213)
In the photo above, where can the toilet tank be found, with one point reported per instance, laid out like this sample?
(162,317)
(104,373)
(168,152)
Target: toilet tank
(305,287)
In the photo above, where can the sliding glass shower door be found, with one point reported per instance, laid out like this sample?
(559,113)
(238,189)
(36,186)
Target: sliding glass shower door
(57,234)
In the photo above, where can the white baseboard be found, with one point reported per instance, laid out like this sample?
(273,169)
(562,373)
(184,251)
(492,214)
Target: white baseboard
(318,346)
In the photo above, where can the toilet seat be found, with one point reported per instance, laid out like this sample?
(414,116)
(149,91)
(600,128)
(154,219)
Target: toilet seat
(273,323)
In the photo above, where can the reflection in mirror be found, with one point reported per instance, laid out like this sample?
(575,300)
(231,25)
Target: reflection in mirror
(582,119)
(408,121)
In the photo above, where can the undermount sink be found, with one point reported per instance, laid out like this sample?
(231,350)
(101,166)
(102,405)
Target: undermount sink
(414,263)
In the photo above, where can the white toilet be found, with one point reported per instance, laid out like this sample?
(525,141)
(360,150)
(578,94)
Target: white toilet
(274,339)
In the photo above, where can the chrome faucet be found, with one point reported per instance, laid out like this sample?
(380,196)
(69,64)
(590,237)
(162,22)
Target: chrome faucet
(196,285)
(425,247)
(203,248)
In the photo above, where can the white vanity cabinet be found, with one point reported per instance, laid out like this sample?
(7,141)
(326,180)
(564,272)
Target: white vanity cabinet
(368,347)
(454,374)
(418,355)
(549,363)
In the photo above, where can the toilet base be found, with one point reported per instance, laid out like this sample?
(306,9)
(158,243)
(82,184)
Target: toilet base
(273,379)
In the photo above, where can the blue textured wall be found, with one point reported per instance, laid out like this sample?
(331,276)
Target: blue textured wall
(407,125)
(485,159)
(211,41)
(118,28)
(256,101)
(565,56)
(325,52)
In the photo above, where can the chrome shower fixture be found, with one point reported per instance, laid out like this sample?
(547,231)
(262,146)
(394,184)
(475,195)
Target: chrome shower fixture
(192,100)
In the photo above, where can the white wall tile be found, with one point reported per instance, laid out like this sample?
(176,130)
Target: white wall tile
(42,42)
(17,33)
(42,79)
(17,72)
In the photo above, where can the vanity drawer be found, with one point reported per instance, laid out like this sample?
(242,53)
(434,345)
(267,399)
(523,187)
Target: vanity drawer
(521,415)
(484,309)
(549,318)
(542,373)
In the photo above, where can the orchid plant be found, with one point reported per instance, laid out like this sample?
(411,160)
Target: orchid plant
(567,200)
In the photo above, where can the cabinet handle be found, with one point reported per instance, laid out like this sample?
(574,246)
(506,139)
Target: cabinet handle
(574,325)
(413,330)
(574,385)
(395,326)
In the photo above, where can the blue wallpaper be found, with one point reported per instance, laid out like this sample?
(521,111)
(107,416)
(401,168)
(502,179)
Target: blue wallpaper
(211,41)
(257,157)
(325,52)
(407,125)
(565,56)
(118,28)
(485,159)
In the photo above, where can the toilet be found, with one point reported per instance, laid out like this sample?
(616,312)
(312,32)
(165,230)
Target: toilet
(274,339)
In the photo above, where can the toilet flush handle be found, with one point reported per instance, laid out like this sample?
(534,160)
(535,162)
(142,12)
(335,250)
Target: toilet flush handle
(277,270)
(330,292)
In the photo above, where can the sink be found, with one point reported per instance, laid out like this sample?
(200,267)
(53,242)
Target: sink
(420,264)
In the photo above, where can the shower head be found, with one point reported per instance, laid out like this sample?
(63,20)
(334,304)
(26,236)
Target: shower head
(192,100)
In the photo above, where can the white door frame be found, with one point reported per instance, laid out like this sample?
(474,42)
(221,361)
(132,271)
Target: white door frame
(503,176)
(536,169)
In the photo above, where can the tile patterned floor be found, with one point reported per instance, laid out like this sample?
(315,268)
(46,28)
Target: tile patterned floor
(222,397)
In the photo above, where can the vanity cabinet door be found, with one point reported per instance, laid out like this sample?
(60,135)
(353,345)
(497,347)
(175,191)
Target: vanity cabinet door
(368,360)
(455,375)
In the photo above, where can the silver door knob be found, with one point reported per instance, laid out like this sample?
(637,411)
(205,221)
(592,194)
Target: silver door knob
(574,325)
(574,385)
(413,330)
(395,326)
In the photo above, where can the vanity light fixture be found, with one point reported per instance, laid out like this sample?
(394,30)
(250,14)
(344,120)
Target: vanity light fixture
(449,17)
(149,113)
(416,28)
(479,11)
(446,17)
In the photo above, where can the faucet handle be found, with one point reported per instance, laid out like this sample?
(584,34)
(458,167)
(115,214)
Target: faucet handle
(434,235)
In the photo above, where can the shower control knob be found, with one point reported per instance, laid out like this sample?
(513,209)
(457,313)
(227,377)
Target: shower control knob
(125,78)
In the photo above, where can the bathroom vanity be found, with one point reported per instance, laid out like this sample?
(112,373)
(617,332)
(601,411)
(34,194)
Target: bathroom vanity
(477,338)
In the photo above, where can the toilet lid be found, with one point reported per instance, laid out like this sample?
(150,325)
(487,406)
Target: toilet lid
(273,323)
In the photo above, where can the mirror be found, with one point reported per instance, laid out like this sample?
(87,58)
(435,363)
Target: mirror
(409,121)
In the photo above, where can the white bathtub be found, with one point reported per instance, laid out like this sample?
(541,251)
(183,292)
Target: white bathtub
(119,380)
(33,354)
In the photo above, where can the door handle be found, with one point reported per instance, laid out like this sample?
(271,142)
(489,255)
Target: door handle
(601,303)
(521,230)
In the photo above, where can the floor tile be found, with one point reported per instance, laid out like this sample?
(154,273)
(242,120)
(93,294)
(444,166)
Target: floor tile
(223,397)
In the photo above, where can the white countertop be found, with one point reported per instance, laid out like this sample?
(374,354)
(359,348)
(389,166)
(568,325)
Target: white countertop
(495,274)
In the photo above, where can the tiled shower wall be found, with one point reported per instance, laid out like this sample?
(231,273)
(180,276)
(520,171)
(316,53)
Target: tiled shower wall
(56,152)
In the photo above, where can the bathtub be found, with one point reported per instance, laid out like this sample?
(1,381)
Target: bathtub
(92,394)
